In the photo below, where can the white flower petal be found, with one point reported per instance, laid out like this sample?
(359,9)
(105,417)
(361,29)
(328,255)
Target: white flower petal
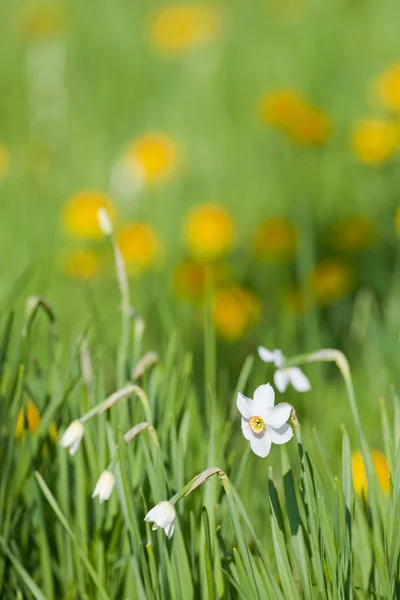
(280,435)
(246,429)
(264,398)
(281,380)
(266,355)
(169,530)
(261,444)
(278,415)
(298,380)
(74,447)
(245,406)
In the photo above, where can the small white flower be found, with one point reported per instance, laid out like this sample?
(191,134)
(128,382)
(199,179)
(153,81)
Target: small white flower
(104,486)
(262,422)
(283,376)
(163,515)
(72,436)
(104,222)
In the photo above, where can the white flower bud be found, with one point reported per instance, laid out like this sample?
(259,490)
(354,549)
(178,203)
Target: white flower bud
(104,486)
(163,516)
(104,222)
(72,436)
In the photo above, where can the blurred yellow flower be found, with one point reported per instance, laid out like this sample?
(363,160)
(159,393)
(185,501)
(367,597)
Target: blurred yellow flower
(139,246)
(374,140)
(152,157)
(235,310)
(52,431)
(275,240)
(39,20)
(388,86)
(290,112)
(80,214)
(83,264)
(4,160)
(209,231)
(281,107)
(181,26)
(330,281)
(32,419)
(192,277)
(353,233)
(295,301)
(359,476)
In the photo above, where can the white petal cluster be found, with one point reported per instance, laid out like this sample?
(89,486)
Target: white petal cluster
(283,376)
(72,436)
(262,422)
(104,486)
(163,516)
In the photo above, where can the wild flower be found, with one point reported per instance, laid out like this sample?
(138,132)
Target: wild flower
(139,246)
(192,277)
(80,213)
(359,475)
(72,436)
(209,231)
(330,280)
(374,141)
(162,516)
(275,240)
(32,419)
(104,486)
(388,87)
(353,233)
(40,20)
(178,27)
(235,310)
(104,220)
(262,422)
(284,376)
(83,264)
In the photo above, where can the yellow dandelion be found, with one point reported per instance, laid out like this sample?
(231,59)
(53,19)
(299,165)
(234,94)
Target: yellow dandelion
(275,240)
(295,301)
(353,233)
(374,141)
(281,107)
(359,476)
(192,277)
(4,161)
(209,231)
(40,20)
(388,86)
(139,246)
(151,157)
(235,310)
(330,281)
(83,264)
(311,127)
(176,28)
(80,214)
(32,419)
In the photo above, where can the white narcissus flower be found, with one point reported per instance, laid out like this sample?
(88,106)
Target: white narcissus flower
(72,436)
(262,422)
(163,515)
(283,376)
(104,486)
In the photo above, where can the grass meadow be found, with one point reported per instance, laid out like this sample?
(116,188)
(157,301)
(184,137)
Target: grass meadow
(186,188)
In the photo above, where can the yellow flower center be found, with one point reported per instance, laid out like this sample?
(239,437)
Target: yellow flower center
(257,425)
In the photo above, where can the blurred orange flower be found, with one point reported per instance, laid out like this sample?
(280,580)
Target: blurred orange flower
(151,157)
(388,85)
(4,160)
(353,233)
(235,310)
(80,215)
(374,140)
(139,246)
(290,112)
(209,231)
(179,27)
(32,419)
(39,20)
(83,264)
(330,281)
(192,277)
(275,240)
(359,476)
